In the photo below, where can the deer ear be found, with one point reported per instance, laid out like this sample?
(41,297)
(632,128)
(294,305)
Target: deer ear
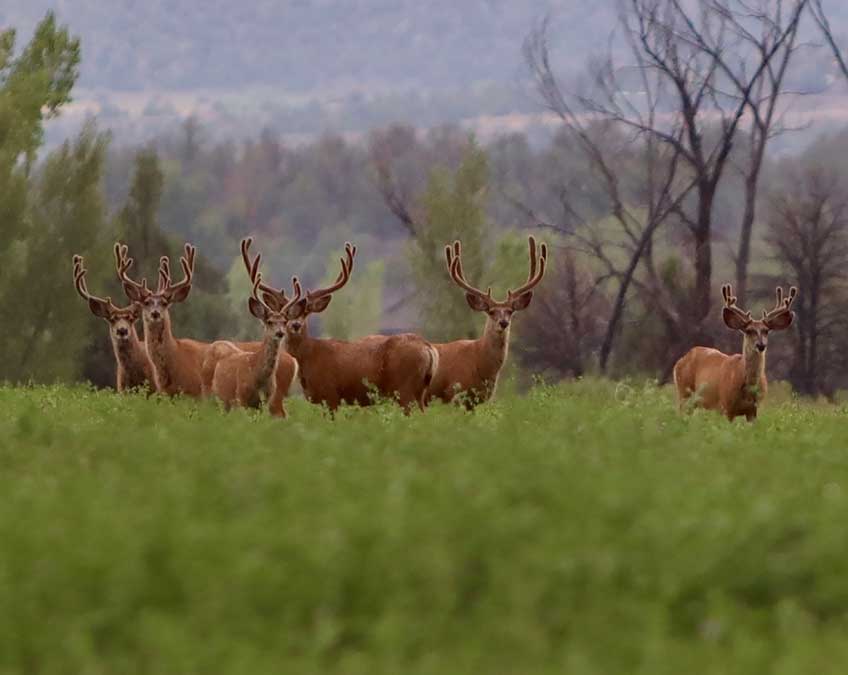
(477,303)
(320,304)
(272,301)
(296,310)
(99,308)
(256,308)
(522,301)
(781,321)
(732,319)
(179,295)
(133,293)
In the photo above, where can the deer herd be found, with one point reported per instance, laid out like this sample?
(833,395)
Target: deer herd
(406,368)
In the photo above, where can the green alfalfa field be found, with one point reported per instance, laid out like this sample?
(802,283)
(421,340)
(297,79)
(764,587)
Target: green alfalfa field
(583,528)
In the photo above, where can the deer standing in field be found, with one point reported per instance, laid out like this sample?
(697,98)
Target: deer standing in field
(733,384)
(176,362)
(471,367)
(333,372)
(238,373)
(134,368)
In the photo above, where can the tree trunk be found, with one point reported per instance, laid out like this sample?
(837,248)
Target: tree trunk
(702,290)
(812,357)
(743,255)
(618,306)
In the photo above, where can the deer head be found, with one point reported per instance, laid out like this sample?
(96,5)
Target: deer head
(121,320)
(266,303)
(155,304)
(756,331)
(314,302)
(499,313)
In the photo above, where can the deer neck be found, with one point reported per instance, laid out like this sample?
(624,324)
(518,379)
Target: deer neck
(495,345)
(267,360)
(130,350)
(753,365)
(299,345)
(159,334)
(161,346)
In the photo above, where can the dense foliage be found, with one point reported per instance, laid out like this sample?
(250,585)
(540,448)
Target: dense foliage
(584,528)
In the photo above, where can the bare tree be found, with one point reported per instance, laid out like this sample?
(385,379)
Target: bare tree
(693,75)
(638,210)
(385,147)
(808,232)
(761,27)
(568,321)
(820,16)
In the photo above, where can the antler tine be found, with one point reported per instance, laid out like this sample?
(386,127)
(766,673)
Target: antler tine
(254,292)
(793,292)
(535,275)
(297,294)
(730,302)
(531,244)
(187,263)
(252,268)
(350,254)
(164,274)
(118,257)
(783,303)
(123,263)
(452,251)
(79,278)
(82,287)
(342,278)
(459,277)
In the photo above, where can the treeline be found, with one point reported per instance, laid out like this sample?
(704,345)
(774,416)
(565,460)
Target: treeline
(646,218)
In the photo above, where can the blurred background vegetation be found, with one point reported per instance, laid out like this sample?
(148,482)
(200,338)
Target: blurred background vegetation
(400,190)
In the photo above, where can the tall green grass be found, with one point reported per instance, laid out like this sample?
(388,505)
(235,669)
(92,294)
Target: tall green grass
(582,529)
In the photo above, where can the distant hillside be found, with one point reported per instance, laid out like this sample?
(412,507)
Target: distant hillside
(301,67)
(302,45)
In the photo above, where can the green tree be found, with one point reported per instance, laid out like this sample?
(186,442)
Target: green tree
(207,315)
(359,313)
(33,87)
(47,212)
(47,327)
(139,218)
(452,209)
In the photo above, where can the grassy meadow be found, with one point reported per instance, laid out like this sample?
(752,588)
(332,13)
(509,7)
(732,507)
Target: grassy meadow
(585,528)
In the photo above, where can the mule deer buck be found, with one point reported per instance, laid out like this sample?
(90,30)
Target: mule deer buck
(176,362)
(471,367)
(734,384)
(134,368)
(239,372)
(333,372)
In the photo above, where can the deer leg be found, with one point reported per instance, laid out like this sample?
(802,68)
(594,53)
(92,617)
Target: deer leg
(275,405)
(407,399)
(332,406)
(277,409)
(751,416)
